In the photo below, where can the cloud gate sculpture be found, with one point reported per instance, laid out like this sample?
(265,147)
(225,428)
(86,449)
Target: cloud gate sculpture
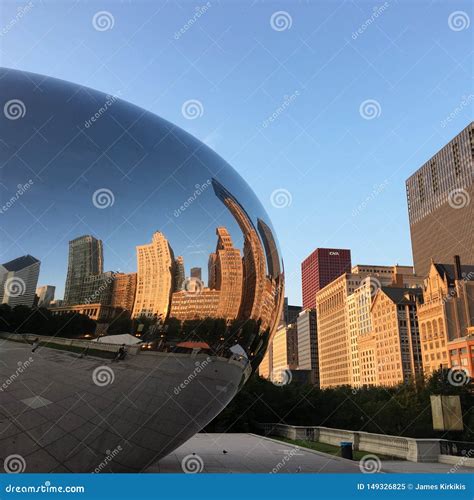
(140,281)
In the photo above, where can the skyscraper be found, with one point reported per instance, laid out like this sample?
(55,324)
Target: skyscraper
(85,259)
(179,274)
(440,197)
(228,275)
(254,268)
(289,312)
(18,280)
(271,251)
(45,295)
(308,344)
(155,264)
(320,268)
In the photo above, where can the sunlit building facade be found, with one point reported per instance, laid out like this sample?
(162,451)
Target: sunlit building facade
(446,313)
(124,287)
(397,339)
(155,263)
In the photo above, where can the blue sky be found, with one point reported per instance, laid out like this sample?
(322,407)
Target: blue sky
(339,175)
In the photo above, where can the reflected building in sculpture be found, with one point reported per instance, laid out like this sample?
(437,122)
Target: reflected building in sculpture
(228,276)
(225,327)
(253,260)
(124,287)
(155,273)
(45,295)
(85,259)
(179,274)
(18,280)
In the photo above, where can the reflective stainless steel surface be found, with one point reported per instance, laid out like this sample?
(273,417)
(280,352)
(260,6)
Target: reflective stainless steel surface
(137,264)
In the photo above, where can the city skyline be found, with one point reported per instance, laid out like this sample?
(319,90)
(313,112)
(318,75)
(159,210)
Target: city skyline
(334,69)
(194,270)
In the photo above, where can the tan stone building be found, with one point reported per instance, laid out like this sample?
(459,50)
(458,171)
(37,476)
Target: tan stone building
(367,348)
(155,263)
(446,312)
(397,353)
(343,313)
(228,275)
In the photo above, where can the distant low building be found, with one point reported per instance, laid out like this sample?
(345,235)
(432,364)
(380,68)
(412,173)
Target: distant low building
(97,312)
(45,295)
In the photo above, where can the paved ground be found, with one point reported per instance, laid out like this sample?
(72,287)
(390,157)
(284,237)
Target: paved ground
(251,453)
(31,418)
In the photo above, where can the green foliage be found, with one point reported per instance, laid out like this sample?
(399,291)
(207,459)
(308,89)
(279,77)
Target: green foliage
(402,411)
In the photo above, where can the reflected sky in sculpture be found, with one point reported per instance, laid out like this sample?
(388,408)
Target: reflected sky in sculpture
(99,166)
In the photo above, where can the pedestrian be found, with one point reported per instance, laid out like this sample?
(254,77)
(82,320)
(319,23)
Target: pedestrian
(35,344)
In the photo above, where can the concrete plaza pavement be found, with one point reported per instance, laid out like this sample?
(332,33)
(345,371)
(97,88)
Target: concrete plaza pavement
(32,417)
(249,453)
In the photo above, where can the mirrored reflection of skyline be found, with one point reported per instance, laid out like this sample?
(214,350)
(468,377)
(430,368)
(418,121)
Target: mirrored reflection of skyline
(131,217)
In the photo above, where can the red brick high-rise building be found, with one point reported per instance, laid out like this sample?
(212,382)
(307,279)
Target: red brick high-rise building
(320,268)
